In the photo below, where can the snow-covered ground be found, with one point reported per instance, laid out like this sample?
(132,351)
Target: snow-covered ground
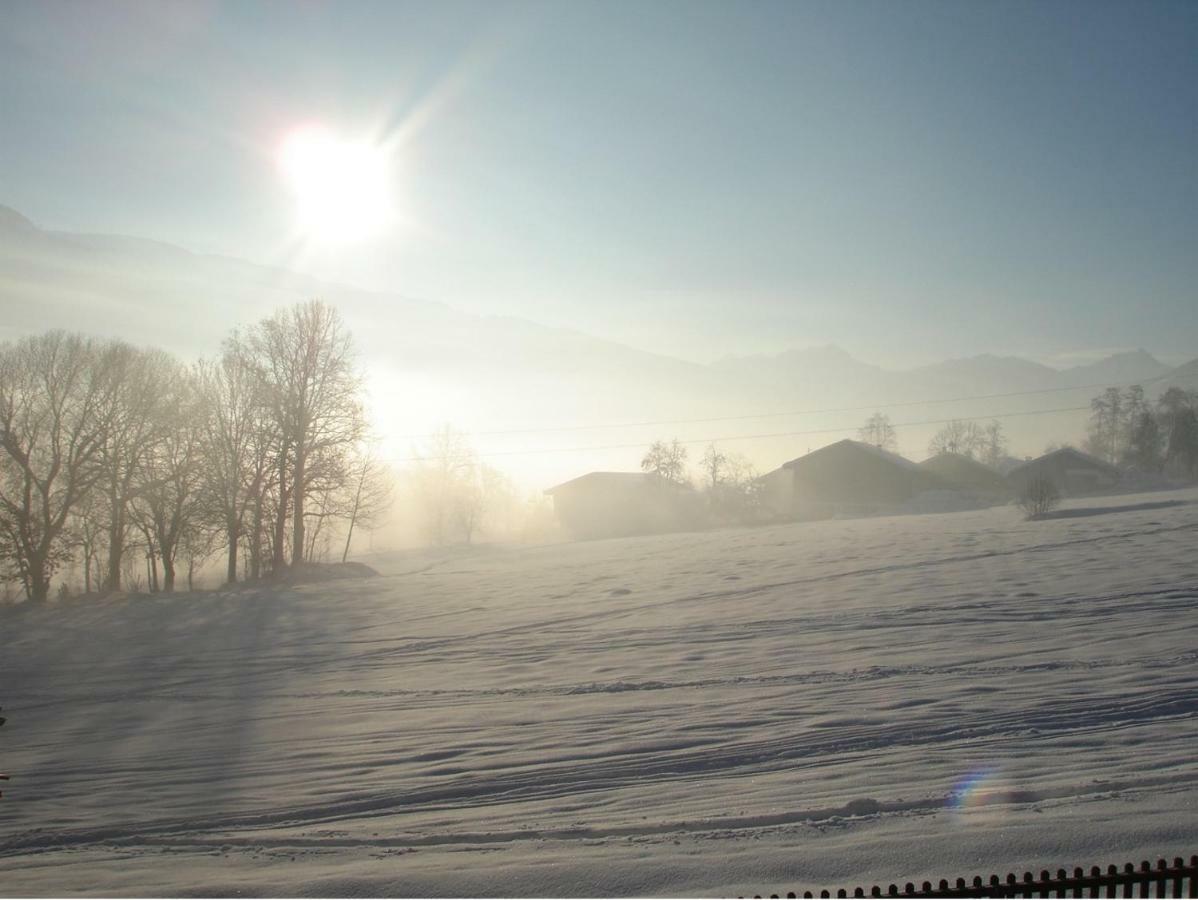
(741,711)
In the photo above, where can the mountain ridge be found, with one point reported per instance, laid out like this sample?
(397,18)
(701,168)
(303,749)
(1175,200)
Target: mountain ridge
(1141,360)
(434,362)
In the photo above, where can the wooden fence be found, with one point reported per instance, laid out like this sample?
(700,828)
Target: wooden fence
(1163,880)
(3,777)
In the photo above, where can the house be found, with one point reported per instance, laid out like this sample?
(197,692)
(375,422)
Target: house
(1073,472)
(613,504)
(968,475)
(848,477)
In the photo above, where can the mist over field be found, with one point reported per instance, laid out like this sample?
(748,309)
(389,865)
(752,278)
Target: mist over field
(575,449)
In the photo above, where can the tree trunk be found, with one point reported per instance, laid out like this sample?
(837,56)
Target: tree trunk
(37,584)
(116,548)
(297,502)
(256,542)
(152,558)
(230,570)
(353,516)
(168,575)
(280,550)
(279,557)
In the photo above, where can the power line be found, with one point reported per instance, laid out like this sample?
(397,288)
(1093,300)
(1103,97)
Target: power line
(744,437)
(796,412)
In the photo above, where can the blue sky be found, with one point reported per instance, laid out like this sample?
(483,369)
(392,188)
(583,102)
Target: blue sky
(908,180)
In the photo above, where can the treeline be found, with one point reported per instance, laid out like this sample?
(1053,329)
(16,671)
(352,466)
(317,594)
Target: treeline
(106,448)
(728,482)
(1128,430)
(963,437)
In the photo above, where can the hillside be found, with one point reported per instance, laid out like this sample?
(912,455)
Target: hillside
(719,714)
(431,363)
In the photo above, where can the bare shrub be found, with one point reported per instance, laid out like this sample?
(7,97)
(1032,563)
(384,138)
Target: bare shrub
(1038,497)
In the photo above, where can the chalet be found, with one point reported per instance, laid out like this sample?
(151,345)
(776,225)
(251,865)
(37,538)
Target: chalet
(613,504)
(1073,472)
(966,474)
(846,477)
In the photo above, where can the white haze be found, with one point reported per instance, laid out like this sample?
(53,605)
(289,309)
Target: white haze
(563,402)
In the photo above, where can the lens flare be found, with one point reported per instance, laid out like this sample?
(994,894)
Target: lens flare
(341,188)
(977,789)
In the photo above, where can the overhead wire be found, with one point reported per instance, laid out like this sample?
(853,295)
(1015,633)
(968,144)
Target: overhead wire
(745,437)
(779,434)
(554,429)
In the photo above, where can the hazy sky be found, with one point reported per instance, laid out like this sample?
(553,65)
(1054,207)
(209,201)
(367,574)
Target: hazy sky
(908,180)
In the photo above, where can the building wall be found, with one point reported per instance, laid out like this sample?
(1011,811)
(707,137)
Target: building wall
(856,478)
(604,510)
(842,481)
(777,493)
(1073,476)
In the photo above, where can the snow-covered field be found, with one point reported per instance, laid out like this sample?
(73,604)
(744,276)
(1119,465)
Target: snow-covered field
(742,711)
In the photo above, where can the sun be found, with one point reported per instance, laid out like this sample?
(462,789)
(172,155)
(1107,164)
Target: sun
(341,188)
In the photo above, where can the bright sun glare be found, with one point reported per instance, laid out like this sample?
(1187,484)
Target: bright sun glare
(341,188)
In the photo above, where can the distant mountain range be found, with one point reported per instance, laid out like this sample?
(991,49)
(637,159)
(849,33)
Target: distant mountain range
(433,363)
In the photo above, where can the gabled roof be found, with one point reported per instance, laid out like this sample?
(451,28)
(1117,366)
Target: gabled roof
(848,446)
(1071,454)
(964,471)
(614,480)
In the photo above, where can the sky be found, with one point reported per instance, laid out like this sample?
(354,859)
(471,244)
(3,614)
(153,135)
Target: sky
(910,181)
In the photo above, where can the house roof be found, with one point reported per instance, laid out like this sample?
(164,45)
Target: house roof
(1067,453)
(848,446)
(964,470)
(611,480)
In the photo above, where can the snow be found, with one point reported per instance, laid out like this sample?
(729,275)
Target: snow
(720,713)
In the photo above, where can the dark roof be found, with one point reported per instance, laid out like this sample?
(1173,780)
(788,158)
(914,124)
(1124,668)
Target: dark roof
(1067,453)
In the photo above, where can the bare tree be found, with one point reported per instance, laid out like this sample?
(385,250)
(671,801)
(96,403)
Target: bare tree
(736,497)
(994,444)
(444,471)
(959,436)
(1173,403)
(169,503)
(482,492)
(306,361)
(714,464)
(1107,426)
(1178,412)
(1038,497)
(329,499)
(666,460)
(235,431)
(137,416)
(52,429)
(372,487)
(1144,445)
(87,526)
(878,431)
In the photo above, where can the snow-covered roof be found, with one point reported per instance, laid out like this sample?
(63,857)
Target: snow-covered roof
(610,479)
(1072,453)
(849,445)
(961,469)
